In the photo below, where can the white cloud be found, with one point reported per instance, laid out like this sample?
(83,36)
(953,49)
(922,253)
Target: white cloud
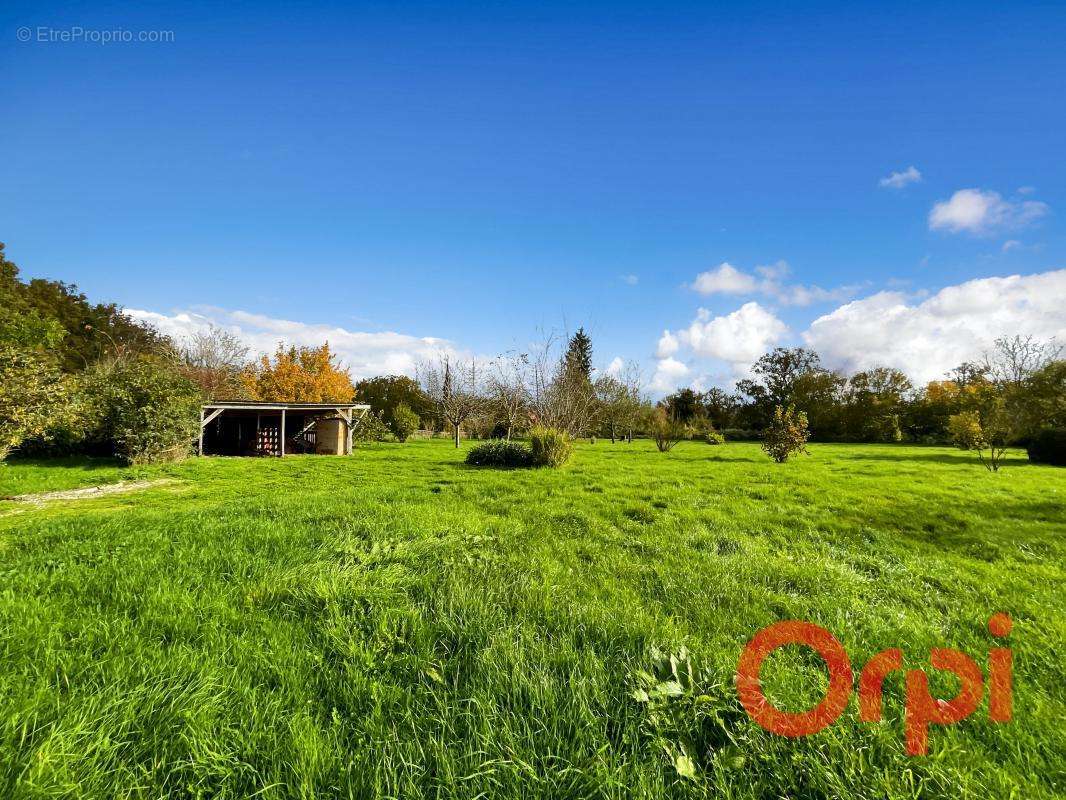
(669,372)
(954,325)
(630,280)
(897,180)
(366,354)
(615,367)
(1010,244)
(738,338)
(727,279)
(982,212)
(724,279)
(667,346)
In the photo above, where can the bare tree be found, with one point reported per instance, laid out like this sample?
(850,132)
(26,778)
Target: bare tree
(559,397)
(508,387)
(453,386)
(213,359)
(1014,359)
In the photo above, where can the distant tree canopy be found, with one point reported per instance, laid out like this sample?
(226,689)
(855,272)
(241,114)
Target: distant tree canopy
(298,375)
(383,394)
(78,332)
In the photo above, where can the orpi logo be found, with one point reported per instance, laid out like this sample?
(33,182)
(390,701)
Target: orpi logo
(921,709)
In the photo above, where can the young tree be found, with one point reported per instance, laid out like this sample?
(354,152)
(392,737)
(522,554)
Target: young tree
(786,434)
(454,388)
(299,375)
(508,388)
(403,422)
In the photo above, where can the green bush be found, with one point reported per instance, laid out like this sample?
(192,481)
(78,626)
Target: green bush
(31,391)
(741,435)
(551,447)
(403,422)
(1048,447)
(500,453)
(713,437)
(143,407)
(371,428)
(786,434)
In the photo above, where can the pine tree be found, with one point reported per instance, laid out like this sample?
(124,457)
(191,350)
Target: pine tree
(578,358)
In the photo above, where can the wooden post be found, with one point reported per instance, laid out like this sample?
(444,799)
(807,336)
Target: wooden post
(281,442)
(200,446)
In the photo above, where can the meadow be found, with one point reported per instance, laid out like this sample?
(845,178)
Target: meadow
(397,624)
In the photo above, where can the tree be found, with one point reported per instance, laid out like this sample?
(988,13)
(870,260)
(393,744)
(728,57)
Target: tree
(213,360)
(721,407)
(577,362)
(508,388)
(89,332)
(384,393)
(404,422)
(786,434)
(298,375)
(684,405)
(775,381)
(561,396)
(454,388)
(874,402)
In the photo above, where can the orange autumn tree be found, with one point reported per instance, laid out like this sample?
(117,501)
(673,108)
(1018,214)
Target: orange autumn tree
(298,375)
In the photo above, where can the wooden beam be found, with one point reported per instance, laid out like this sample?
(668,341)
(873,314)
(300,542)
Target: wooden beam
(200,446)
(281,439)
(205,421)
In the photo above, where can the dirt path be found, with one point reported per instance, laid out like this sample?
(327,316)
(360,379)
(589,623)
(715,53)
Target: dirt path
(90,491)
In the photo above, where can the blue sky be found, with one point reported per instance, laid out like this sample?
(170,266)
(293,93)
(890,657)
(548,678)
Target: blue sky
(474,171)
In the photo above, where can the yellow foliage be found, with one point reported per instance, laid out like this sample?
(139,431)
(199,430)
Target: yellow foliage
(299,375)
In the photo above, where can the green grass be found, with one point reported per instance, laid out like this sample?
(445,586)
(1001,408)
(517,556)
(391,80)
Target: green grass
(400,625)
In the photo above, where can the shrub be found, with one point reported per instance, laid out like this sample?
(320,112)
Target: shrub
(1048,447)
(145,409)
(741,435)
(371,428)
(713,437)
(500,453)
(985,431)
(550,447)
(666,430)
(786,434)
(404,422)
(30,393)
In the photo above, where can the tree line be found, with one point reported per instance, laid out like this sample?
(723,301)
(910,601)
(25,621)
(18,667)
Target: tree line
(83,377)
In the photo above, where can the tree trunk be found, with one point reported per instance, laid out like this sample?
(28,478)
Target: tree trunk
(508,433)
(457,434)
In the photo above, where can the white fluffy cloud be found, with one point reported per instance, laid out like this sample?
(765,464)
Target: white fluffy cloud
(727,279)
(667,346)
(630,280)
(739,337)
(897,180)
(669,372)
(983,212)
(724,279)
(956,324)
(366,354)
(614,369)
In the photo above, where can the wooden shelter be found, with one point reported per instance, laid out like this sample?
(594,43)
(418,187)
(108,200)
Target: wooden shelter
(249,428)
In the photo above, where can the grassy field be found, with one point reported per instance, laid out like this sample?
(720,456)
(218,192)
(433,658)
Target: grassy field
(399,625)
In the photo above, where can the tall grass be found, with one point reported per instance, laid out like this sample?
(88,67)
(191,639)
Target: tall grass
(397,624)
